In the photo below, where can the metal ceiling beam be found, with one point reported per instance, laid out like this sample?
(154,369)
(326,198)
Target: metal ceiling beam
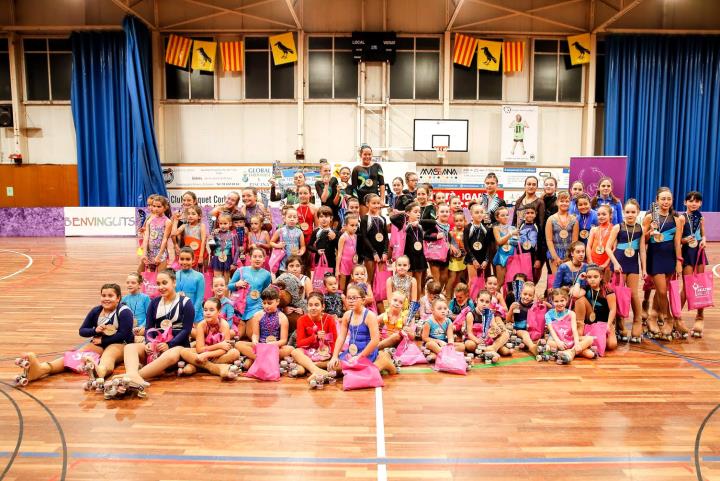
(527,15)
(294,14)
(238,13)
(216,14)
(511,15)
(131,11)
(455,14)
(616,17)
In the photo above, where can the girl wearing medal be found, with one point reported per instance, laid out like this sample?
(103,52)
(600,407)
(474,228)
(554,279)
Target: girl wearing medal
(427,208)
(396,191)
(230,206)
(596,251)
(169,313)
(360,278)
(372,246)
(506,239)
(227,311)
(367,178)
(299,286)
(347,256)
(289,237)
(458,251)
(257,237)
(328,191)
(393,321)
(193,234)
(137,301)
(572,273)
(561,230)
(516,317)
(225,250)
(306,212)
(109,326)
(190,283)
(290,194)
(360,333)
(255,279)
(157,235)
(402,280)
(577,188)
(605,196)
(475,239)
(212,351)
(414,236)
(664,260)
(324,240)
(586,216)
(627,253)
(527,199)
(438,331)
(485,328)
(269,326)
(438,231)
(693,242)
(562,325)
(597,304)
(530,240)
(491,200)
(316,338)
(497,303)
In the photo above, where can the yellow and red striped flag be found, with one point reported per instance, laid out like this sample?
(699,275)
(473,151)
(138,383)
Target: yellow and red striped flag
(232,56)
(178,50)
(464,49)
(513,56)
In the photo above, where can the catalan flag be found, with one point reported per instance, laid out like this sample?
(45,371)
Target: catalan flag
(178,50)
(513,56)
(464,49)
(232,56)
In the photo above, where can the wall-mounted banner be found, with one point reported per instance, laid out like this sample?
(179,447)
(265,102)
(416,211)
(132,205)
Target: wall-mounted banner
(197,176)
(99,221)
(450,176)
(519,140)
(591,169)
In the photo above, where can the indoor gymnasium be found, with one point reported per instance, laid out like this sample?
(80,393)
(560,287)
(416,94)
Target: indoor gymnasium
(359,239)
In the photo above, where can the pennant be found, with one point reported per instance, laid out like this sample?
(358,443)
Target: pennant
(488,55)
(203,57)
(283,48)
(513,56)
(177,51)
(579,47)
(232,56)
(464,49)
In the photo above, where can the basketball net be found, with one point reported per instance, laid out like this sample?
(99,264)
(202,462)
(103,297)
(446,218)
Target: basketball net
(441,150)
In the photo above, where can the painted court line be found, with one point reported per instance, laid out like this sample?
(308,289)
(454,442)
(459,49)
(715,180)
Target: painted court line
(689,361)
(715,271)
(357,461)
(380,434)
(27,266)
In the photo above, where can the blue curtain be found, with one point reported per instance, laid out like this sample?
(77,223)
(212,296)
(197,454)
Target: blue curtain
(118,163)
(662,110)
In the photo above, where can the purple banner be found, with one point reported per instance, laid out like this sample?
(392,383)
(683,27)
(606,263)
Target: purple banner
(591,169)
(32,222)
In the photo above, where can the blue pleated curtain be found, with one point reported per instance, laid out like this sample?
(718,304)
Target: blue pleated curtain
(662,110)
(118,162)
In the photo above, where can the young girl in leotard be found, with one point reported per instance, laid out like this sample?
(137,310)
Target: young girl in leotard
(157,233)
(347,256)
(438,331)
(193,234)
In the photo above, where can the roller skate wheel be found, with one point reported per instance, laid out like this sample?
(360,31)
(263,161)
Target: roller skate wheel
(283,363)
(332,380)
(509,345)
(313,384)
(697,334)
(538,358)
(238,363)
(560,362)
(24,381)
(88,385)
(141,394)
(398,369)
(181,364)
(283,371)
(294,373)
(521,345)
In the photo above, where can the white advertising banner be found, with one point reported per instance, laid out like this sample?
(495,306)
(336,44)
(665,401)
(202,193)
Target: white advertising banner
(450,176)
(99,221)
(228,176)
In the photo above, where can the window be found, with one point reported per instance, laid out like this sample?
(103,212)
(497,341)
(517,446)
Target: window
(554,78)
(48,68)
(263,80)
(600,72)
(469,83)
(5,92)
(416,71)
(332,72)
(187,84)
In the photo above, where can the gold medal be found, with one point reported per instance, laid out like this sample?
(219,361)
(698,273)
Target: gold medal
(658,237)
(418,246)
(507,247)
(600,250)
(194,245)
(477,245)
(629,252)
(563,234)
(369,182)
(527,245)
(153,234)
(353,350)
(379,237)
(592,317)
(165,324)
(254,294)
(110,329)
(304,226)
(693,243)
(294,251)
(222,257)
(270,339)
(654,225)
(584,234)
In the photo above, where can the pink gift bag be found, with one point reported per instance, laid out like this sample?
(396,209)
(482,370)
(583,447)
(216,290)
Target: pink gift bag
(598,331)
(520,262)
(436,250)
(477,283)
(318,275)
(459,323)
(449,360)
(157,336)
(149,285)
(550,281)
(563,329)
(408,353)
(382,274)
(674,297)
(276,257)
(623,295)
(360,374)
(75,360)
(267,363)
(699,287)
(397,241)
(208,275)
(536,321)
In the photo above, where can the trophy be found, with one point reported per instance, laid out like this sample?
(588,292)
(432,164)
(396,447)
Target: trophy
(655,213)
(517,287)
(488,316)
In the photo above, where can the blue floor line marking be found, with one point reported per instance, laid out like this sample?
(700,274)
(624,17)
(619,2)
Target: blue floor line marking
(374,460)
(689,361)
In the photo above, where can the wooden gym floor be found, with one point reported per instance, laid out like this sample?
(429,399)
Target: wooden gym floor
(635,414)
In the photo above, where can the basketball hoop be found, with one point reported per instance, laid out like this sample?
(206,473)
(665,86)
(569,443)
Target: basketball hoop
(441,150)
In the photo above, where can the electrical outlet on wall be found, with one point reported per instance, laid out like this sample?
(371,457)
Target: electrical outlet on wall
(10,191)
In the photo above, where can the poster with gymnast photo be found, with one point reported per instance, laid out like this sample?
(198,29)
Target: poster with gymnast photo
(519,133)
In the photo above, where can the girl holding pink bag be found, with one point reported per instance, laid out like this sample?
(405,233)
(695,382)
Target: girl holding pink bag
(392,321)
(517,315)
(316,338)
(693,250)
(562,326)
(438,243)
(485,329)
(596,311)
(438,331)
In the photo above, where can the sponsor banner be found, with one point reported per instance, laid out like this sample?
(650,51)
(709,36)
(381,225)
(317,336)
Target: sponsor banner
(514,177)
(190,177)
(466,195)
(474,177)
(591,169)
(99,221)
